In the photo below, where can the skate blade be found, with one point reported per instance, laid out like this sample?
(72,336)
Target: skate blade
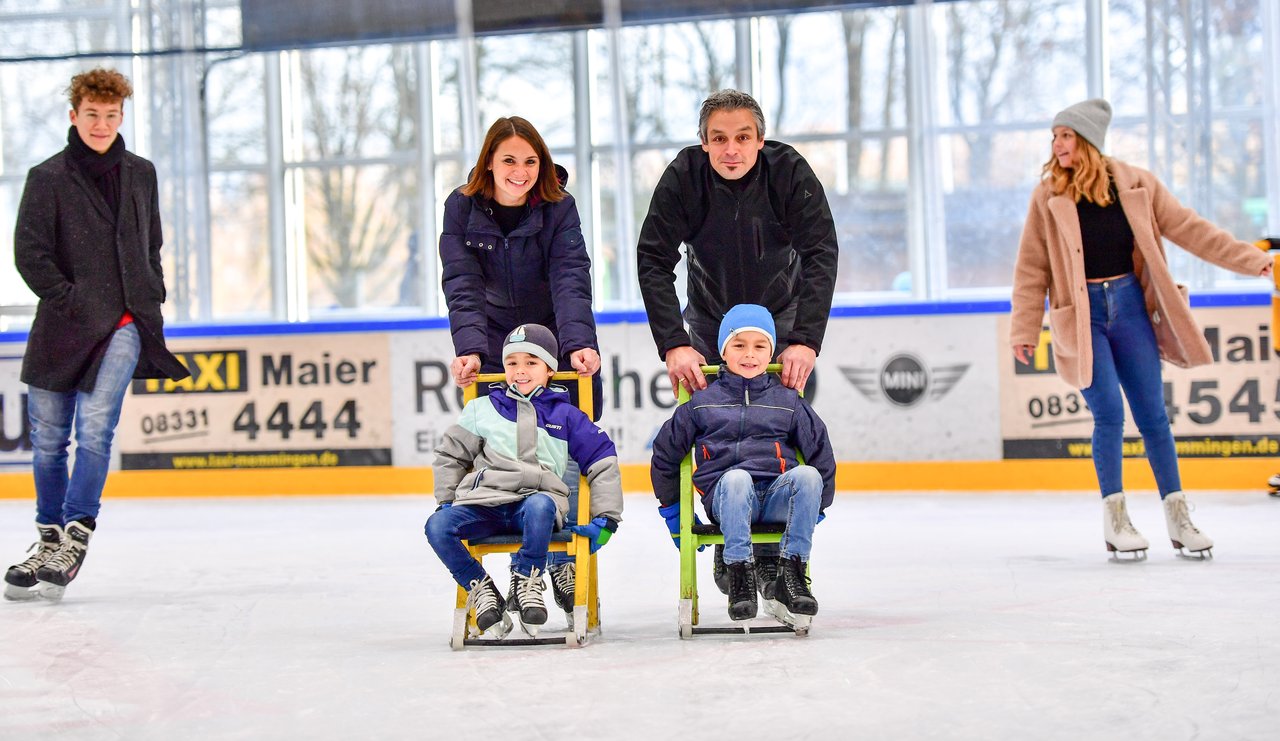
(1133,556)
(526,628)
(50,592)
(778,611)
(496,632)
(14,593)
(1204,555)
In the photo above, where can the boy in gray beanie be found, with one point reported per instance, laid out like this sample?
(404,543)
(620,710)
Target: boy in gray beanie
(499,469)
(1089,119)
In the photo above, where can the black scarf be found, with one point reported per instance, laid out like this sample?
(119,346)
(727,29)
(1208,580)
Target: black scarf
(103,170)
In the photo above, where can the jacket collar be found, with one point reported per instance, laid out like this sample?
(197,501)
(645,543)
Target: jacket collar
(736,384)
(481,220)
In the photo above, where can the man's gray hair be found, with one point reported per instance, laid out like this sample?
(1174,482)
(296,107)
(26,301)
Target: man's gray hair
(729,100)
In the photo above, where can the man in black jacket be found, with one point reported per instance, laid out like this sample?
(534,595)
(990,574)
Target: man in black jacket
(87,242)
(758,230)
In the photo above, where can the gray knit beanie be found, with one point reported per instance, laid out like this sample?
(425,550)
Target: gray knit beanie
(1089,119)
(534,339)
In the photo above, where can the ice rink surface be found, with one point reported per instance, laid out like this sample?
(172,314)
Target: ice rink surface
(952,616)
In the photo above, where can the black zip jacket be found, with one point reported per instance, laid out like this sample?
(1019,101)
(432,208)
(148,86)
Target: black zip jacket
(773,244)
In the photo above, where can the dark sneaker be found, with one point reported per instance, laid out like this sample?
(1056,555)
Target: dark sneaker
(792,587)
(742,590)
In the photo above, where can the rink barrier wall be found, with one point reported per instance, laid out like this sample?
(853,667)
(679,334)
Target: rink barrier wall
(926,394)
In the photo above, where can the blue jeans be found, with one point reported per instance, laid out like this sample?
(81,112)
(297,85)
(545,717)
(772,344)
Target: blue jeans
(1125,356)
(793,498)
(532,517)
(60,499)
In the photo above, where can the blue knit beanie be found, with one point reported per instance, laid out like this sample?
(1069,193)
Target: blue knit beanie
(536,340)
(747,318)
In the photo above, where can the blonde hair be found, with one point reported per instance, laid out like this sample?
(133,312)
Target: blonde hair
(1090,179)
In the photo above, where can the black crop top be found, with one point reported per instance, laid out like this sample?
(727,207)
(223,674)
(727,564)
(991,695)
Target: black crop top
(1108,239)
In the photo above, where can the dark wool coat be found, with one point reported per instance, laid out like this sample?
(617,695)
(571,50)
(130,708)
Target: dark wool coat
(773,243)
(88,266)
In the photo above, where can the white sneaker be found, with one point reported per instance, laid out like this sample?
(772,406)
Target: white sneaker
(1182,531)
(1118,532)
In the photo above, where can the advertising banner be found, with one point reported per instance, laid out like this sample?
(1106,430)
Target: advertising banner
(278,401)
(1230,408)
(888,388)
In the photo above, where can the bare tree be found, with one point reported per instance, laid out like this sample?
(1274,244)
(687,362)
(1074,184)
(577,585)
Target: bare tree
(358,223)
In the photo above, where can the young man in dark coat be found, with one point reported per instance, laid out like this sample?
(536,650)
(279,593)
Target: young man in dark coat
(87,243)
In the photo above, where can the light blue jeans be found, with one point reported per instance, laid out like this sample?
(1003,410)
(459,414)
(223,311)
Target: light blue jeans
(793,499)
(60,499)
(1125,356)
(533,517)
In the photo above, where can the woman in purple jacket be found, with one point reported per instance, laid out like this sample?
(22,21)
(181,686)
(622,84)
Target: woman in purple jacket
(513,253)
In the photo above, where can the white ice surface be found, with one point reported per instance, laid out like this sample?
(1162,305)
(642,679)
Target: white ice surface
(956,616)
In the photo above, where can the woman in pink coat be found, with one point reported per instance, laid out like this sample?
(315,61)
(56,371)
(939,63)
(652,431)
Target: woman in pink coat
(1092,243)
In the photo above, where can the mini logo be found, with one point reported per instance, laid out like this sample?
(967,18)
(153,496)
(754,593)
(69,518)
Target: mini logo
(904,380)
(517,334)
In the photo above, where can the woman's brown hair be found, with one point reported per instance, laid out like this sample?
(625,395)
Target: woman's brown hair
(547,188)
(1090,179)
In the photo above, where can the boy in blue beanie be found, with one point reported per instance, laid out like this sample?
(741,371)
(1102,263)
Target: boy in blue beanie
(500,469)
(745,429)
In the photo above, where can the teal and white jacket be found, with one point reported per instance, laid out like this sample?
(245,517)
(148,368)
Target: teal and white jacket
(505,447)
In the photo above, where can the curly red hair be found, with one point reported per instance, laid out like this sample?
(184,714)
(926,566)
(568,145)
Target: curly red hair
(99,85)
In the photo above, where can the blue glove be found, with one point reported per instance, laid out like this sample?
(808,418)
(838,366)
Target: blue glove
(821,516)
(598,531)
(671,513)
(444,505)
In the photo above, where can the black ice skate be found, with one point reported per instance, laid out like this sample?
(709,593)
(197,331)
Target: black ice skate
(742,590)
(766,575)
(719,574)
(791,589)
(525,600)
(563,583)
(21,577)
(64,565)
(486,601)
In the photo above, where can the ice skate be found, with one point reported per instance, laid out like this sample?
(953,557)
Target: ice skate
(64,565)
(791,590)
(766,575)
(21,577)
(524,599)
(563,583)
(484,599)
(1273,485)
(1118,532)
(719,574)
(778,611)
(1182,532)
(742,590)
